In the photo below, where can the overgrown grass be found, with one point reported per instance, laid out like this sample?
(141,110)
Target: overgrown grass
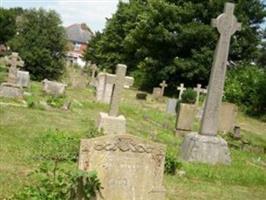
(20,127)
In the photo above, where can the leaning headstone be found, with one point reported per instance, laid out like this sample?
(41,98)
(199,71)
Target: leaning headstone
(23,79)
(185,117)
(53,88)
(171,106)
(227,117)
(181,90)
(206,147)
(157,92)
(112,122)
(128,167)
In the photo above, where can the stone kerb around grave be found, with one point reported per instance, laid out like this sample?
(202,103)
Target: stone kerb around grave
(128,167)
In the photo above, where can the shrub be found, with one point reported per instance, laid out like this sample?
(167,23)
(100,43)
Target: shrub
(245,86)
(189,96)
(30,101)
(171,164)
(62,185)
(56,102)
(55,181)
(57,146)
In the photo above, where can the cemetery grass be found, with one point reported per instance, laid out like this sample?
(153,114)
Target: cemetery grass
(20,127)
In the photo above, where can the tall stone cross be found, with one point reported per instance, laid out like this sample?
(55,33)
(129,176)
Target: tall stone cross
(227,25)
(181,89)
(163,86)
(199,90)
(14,61)
(119,80)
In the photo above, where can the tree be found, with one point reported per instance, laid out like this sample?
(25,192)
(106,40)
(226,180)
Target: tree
(41,43)
(172,39)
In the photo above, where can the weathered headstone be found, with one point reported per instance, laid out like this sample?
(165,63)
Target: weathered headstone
(207,147)
(113,123)
(14,61)
(185,117)
(157,92)
(171,106)
(128,167)
(181,90)
(100,85)
(93,69)
(227,117)
(53,88)
(11,89)
(104,88)
(163,86)
(23,79)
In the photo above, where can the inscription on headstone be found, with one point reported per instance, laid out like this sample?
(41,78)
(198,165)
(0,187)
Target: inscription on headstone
(128,167)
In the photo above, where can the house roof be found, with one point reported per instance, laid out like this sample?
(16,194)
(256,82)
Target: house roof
(79,33)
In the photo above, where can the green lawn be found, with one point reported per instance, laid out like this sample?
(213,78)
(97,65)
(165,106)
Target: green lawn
(20,126)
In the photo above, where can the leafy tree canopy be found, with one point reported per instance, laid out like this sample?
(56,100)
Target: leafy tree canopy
(172,39)
(8,23)
(41,42)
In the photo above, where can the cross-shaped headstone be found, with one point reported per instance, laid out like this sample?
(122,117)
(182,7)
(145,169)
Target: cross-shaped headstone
(199,90)
(227,25)
(119,80)
(181,89)
(14,61)
(163,86)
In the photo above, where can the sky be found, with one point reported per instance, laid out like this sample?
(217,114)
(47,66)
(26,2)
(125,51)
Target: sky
(91,12)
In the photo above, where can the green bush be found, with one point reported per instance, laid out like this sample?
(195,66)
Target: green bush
(30,102)
(171,164)
(189,96)
(245,86)
(55,179)
(61,185)
(57,146)
(56,102)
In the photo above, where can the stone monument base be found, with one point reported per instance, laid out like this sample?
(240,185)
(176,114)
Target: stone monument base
(10,90)
(112,125)
(205,149)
